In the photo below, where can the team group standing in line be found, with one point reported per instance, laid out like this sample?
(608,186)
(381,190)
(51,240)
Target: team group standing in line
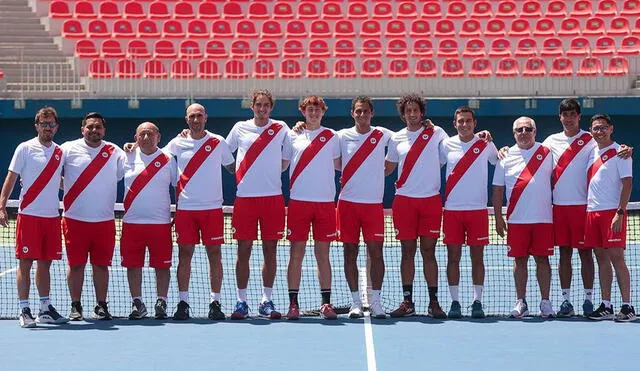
(570,191)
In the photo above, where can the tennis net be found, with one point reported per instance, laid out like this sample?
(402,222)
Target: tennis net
(498,299)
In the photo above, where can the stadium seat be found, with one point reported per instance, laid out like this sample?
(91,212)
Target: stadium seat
(431,10)
(263,69)
(618,66)
(137,49)
(508,67)
(606,8)
(590,67)
(208,69)
(267,49)
(296,28)
(545,27)
(189,49)
(154,69)
(569,27)
(444,28)
(148,29)
(480,67)
(481,10)
(474,48)
(422,48)
(581,9)
(72,29)
(59,10)
(344,69)
(184,10)
(320,28)
(215,49)
(164,49)
(578,47)
(630,45)
(173,29)
(159,10)
(246,29)
(519,28)
(108,10)
(630,8)
(531,9)
(534,67)
(123,29)
(447,48)
(240,49)
(133,10)
(398,67)
(456,10)
(419,28)
(126,69)
(500,48)
(293,49)
(605,46)
(258,11)
(318,48)
(397,48)
(636,27)
(495,28)
(556,9)
(97,29)
(317,69)
(100,69)
(552,47)
(111,48)
(526,47)
(307,10)
(594,27)
(234,69)
(426,67)
(371,48)
(221,29)
(232,10)
(344,48)
(383,11)
(344,28)
(506,9)
(271,29)
(282,10)
(561,66)
(206,10)
(370,28)
(407,10)
(452,68)
(86,49)
(290,69)
(332,10)
(619,27)
(84,9)
(371,68)
(395,28)
(470,28)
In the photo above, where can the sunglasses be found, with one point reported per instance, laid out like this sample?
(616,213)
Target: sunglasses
(600,128)
(48,124)
(521,129)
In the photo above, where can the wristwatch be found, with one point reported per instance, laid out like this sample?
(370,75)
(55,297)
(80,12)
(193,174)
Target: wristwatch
(620,212)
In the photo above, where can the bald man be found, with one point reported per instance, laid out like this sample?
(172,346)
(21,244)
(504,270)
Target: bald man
(146,224)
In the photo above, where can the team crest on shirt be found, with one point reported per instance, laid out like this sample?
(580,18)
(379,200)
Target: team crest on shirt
(476,150)
(233,230)
(373,140)
(207,148)
(605,158)
(425,136)
(323,139)
(288,232)
(581,142)
(539,157)
(105,154)
(270,131)
(25,249)
(157,164)
(57,157)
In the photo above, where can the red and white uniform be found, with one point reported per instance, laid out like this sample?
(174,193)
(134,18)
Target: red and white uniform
(38,229)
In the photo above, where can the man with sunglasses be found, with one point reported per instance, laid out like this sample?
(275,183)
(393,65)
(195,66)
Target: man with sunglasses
(525,173)
(38,163)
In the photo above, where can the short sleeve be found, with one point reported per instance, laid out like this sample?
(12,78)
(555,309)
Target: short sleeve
(232,138)
(287,148)
(498,175)
(392,153)
(625,168)
(122,157)
(492,153)
(335,146)
(173,168)
(18,160)
(227,156)
(443,151)
(170,148)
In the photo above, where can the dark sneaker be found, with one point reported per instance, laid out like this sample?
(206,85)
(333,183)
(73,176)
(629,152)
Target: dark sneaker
(455,311)
(268,310)
(182,312)
(435,311)
(587,308)
(241,311)
(161,309)
(76,311)
(101,312)
(51,315)
(566,310)
(25,318)
(627,314)
(602,313)
(215,311)
(294,312)
(405,309)
(138,310)
(476,309)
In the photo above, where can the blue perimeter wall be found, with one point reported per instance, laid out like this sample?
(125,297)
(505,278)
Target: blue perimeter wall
(495,115)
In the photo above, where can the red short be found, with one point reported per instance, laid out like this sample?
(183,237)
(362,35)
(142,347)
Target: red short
(193,226)
(413,217)
(267,211)
(529,239)
(466,226)
(304,214)
(136,237)
(568,225)
(353,216)
(38,238)
(598,230)
(83,238)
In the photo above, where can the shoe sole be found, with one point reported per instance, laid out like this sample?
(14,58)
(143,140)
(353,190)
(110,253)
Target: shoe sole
(602,318)
(161,317)
(478,316)
(76,319)
(28,325)
(625,319)
(329,317)
(437,316)
(235,316)
(454,316)
(355,316)
(562,315)
(379,316)
(524,314)
(271,316)
(51,321)
(402,315)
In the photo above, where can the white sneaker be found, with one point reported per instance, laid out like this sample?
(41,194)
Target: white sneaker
(25,318)
(546,310)
(377,311)
(521,309)
(356,311)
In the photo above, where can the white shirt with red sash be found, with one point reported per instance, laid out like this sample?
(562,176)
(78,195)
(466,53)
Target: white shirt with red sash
(263,176)
(29,160)
(316,182)
(367,183)
(570,158)
(95,202)
(151,204)
(424,179)
(605,183)
(470,192)
(203,189)
(534,205)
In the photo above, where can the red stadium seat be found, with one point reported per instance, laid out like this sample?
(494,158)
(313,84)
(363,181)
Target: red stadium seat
(495,28)
(636,27)
(579,47)
(500,48)
(545,27)
(534,67)
(508,67)
(444,28)
(480,67)
(590,67)
(240,49)
(59,10)
(407,10)
(232,10)
(282,10)
(605,45)
(470,28)
(133,10)
(206,10)
(126,69)
(208,69)
(72,29)
(154,69)
(263,69)
(271,29)
(148,29)
(357,10)
(267,49)
(607,8)
(371,48)
(569,27)
(426,67)
(109,10)
(137,49)
(419,29)
(221,29)
(307,10)
(189,49)
(432,10)
(344,28)
(293,49)
(296,28)
(531,9)
(481,10)
(164,49)
(630,45)
(100,69)
(556,9)
(123,29)
(447,48)
(159,10)
(395,28)
(526,47)
(506,9)
(97,29)
(618,66)
(619,27)
(581,9)
(519,28)
(344,69)
(318,48)
(319,28)
(86,49)
(317,69)
(234,69)
(474,48)
(84,9)
(630,8)
(215,49)
(422,48)
(452,68)
(344,48)
(111,49)
(246,29)
(594,27)
(561,66)
(456,10)
(382,11)
(173,29)
(258,11)
(552,47)
(397,48)
(290,69)
(332,10)
(398,68)
(370,28)
(371,68)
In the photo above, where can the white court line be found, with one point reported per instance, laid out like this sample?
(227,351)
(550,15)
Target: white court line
(3,273)
(368,339)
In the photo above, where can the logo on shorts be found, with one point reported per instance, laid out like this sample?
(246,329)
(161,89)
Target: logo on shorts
(581,142)
(207,148)
(323,139)
(57,157)
(233,230)
(25,249)
(270,131)
(476,150)
(397,231)
(605,158)
(105,154)
(156,164)
(539,157)
(425,136)
(373,140)
(288,232)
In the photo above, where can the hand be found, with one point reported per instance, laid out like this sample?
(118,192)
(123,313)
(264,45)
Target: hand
(299,127)
(501,226)
(427,124)
(625,151)
(485,135)
(4,218)
(184,133)
(503,152)
(616,224)
(129,147)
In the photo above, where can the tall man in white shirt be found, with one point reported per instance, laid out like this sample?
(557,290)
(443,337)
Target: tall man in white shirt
(314,158)
(264,147)
(149,172)
(92,169)
(466,219)
(38,163)
(525,173)
(609,180)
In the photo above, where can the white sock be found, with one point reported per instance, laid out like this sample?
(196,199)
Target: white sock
(266,294)
(455,294)
(477,292)
(242,295)
(164,298)
(184,296)
(588,294)
(607,303)
(375,296)
(44,303)
(355,297)
(23,304)
(215,296)
(566,295)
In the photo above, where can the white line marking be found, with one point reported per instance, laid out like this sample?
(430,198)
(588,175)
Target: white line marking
(368,339)
(3,273)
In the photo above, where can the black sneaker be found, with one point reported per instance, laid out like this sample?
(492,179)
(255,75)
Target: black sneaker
(25,318)
(51,315)
(161,309)
(182,313)
(138,310)
(101,312)
(215,311)
(76,311)
(627,314)
(602,313)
